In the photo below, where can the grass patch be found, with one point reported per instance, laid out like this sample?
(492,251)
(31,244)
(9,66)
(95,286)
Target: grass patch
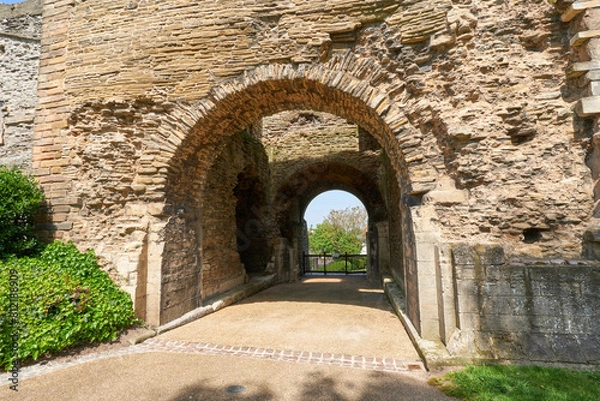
(523,383)
(354,265)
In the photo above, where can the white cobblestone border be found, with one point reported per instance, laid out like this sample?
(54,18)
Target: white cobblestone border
(170,346)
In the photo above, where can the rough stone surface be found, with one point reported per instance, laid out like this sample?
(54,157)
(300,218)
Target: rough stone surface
(527,310)
(454,122)
(20,30)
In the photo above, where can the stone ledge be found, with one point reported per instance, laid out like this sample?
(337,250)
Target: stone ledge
(517,261)
(216,303)
(578,7)
(433,353)
(446,197)
(588,106)
(20,119)
(577,69)
(20,37)
(581,37)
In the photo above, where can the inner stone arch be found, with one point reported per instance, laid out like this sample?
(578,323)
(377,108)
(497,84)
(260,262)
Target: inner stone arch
(343,210)
(325,176)
(258,204)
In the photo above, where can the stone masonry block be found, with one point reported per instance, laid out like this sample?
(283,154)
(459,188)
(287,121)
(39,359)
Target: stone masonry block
(463,255)
(588,106)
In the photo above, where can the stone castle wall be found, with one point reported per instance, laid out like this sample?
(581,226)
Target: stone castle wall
(486,97)
(526,310)
(20,31)
(480,118)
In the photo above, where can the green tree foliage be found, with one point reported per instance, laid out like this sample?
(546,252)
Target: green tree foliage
(342,231)
(57,299)
(20,199)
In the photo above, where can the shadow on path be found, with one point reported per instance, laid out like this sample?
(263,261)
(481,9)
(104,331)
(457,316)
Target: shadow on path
(342,315)
(345,290)
(323,386)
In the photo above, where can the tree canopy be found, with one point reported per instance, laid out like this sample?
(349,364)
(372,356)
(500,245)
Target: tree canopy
(342,231)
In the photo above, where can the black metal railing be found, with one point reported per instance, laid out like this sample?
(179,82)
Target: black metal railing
(334,264)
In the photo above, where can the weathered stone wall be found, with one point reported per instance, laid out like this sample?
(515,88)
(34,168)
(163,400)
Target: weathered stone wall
(312,152)
(236,235)
(469,104)
(498,109)
(20,31)
(526,310)
(505,134)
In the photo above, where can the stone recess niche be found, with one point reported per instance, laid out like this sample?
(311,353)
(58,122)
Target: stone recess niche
(468,129)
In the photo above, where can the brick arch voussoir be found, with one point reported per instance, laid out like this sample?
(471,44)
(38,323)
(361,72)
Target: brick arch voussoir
(269,89)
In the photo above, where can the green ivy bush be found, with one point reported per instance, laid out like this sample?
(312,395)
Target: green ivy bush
(64,299)
(20,199)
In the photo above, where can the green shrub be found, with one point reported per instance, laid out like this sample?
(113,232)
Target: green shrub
(20,199)
(64,299)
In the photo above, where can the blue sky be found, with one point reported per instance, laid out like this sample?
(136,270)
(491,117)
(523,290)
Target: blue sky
(320,206)
(11,1)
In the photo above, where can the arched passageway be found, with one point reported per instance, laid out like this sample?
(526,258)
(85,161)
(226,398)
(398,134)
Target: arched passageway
(241,188)
(295,195)
(134,151)
(257,201)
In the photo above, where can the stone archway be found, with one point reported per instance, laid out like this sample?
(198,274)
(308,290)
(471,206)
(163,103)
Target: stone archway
(238,105)
(235,107)
(294,195)
(470,112)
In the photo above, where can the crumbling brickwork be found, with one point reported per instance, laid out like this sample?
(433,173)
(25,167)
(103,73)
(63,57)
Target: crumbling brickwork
(455,122)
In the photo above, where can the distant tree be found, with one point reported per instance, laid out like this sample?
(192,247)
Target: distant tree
(340,232)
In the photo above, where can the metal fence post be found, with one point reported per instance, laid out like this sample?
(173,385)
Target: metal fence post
(346,260)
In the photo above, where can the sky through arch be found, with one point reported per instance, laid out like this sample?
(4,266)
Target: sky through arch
(320,206)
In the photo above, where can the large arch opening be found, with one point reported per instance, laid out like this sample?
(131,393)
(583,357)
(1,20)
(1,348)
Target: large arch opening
(321,205)
(376,173)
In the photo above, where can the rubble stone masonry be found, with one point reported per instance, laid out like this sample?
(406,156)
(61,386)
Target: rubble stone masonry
(167,132)
(20,30)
